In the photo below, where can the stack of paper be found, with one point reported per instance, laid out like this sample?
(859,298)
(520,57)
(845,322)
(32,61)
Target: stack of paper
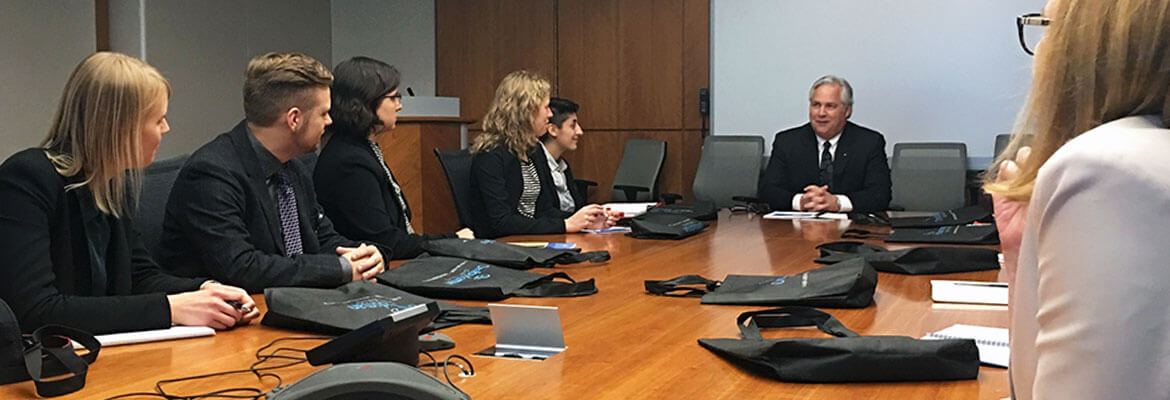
(969,292)
(172,333)
(805,215)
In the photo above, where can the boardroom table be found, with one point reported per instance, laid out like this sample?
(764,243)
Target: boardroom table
(623,343)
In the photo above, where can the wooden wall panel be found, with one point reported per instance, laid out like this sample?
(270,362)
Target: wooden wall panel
(587,47)
(650,64)
(623,61)
(464,62)
(634,66)
(479,42)
(696,58)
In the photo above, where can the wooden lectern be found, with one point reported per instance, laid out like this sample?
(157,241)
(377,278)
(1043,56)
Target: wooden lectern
(409,151)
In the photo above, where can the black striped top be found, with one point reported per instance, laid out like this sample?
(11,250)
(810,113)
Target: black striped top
(527,206)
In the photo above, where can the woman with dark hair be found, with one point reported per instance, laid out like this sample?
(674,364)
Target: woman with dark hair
(561,136)
(354,185)
(70,253)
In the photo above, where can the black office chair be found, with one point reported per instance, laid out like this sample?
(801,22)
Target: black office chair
(929,176)
(729,167)
(1002,141)
(583,186)
(457,167)
(637,175)
(158,179)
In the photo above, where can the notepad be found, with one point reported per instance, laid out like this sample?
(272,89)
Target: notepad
(805,215)
(992,342)
(172,333)
(616,229)
(630,210)
(547,245)
(973,292)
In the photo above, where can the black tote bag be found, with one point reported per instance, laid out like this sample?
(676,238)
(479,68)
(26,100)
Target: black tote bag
(958,216)
(46,356)
(458,278)
(353,305)
(846,357)
(510,255)
(664,226)
(699,210)
(956,234)
(911,261)
(848,284)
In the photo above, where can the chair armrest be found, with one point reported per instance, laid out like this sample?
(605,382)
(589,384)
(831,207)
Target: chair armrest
(671,198)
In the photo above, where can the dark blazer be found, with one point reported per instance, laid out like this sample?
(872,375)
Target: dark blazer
(358,197)
(860,169)
(497,183)
(48,274)
(222,221)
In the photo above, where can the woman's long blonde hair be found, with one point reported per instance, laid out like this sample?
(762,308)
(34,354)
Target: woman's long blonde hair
(509,119)
(98,126)
(1099,61)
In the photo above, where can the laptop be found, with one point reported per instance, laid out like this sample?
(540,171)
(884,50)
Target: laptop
(525,332)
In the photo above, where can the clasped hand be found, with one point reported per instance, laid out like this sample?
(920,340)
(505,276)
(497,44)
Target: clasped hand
(818,198)
(365,260)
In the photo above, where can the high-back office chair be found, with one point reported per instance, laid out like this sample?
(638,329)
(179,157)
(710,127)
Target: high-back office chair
(1002,140)
(637,175)
(729,166)
(457,167)
(158,179)
(929,176)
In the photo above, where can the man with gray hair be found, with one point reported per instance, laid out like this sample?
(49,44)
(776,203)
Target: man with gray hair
(828,164)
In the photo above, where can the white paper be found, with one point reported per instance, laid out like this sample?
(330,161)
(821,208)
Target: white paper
(973,292)
(616,229)
(805,215)
(992,342)
(172,333)
(630,209)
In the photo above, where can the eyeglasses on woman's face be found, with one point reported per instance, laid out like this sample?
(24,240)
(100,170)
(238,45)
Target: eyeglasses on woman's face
(1030,19)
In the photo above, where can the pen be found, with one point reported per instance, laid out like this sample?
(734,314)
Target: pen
(239,306)
(982,284)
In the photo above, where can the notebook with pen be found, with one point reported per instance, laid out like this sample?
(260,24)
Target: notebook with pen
(992,342)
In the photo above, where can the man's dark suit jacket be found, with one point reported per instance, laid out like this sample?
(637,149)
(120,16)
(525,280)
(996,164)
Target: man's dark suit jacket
(52,271)
(358,197)
(222,221)
(860,170)
(497,182)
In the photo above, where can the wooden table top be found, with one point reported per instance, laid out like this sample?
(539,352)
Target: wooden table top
(622,342)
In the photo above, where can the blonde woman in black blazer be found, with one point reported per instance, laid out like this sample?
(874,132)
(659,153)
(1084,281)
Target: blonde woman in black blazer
(71,255)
